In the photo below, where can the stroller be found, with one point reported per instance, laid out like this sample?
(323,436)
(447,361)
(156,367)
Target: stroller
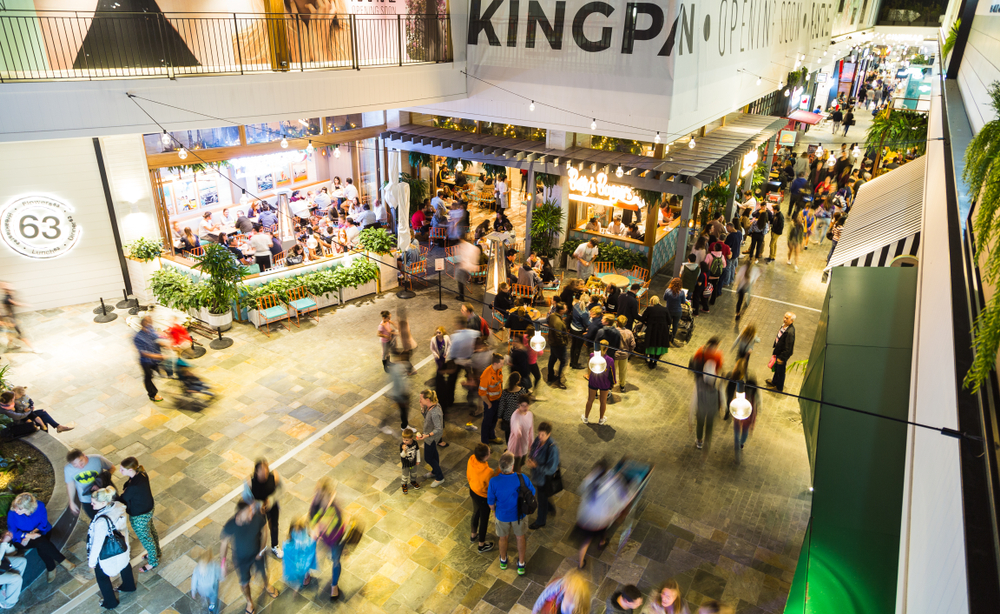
(194,394)
(686,327)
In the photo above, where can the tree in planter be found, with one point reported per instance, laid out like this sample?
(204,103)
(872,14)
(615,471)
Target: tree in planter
(715,196)
(546,224)
(222,288)
(897,129)
(982,174)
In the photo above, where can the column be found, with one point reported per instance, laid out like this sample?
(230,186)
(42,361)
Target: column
(731,182)
(528,209)
(562,140)
(682,230)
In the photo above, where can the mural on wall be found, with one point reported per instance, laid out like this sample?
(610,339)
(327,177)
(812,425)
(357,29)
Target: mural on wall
(119,38)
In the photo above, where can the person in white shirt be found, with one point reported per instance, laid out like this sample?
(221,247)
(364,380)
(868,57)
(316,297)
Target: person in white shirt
(323,199)
(616,227)
(350,192)
(584,255)
(300,209)
(439,203)
(261,244)
(353,230)
(10,581)
(367,217)
(208,229)
(501,189)
(355,210)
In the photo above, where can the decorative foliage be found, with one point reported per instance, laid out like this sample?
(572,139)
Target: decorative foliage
(418,159)
(606,143)
(982,174)
(623,258)
(714,197)
(546,224)
(921,60)
(174,289)
(143,249)
(949,42)
(319,283)
(569,246)
(546,180)
(451,163)
(418,189)
(221,289)
(377,240)
(898,129)
(199,167)
(492,170)
(650,197)
(4,384)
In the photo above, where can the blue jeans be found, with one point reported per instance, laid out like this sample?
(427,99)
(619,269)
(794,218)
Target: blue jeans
(335,552)
(431,456)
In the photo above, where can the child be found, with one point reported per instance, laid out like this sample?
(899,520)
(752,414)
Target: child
(300,553)
(192,383)
(205,581)
(409,452)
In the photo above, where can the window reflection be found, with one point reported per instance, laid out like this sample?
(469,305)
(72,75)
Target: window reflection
(291,129)
(206,138)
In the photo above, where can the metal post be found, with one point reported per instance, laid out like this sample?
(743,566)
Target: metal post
(298,35)
(680,252)
(440,306)
(239,50)
(399,36)
(354,42)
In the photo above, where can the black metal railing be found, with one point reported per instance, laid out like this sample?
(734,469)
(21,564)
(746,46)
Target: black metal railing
(71,45)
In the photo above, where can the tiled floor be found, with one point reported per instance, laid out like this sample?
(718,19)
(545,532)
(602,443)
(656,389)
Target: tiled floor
(725,531)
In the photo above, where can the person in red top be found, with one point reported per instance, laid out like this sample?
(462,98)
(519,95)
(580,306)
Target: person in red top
(708,352)
(417,220)
(719,246)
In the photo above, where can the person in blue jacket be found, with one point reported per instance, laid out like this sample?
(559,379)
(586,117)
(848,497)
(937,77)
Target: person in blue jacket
(28,522)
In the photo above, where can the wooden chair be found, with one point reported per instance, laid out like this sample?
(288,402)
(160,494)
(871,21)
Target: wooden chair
(604,268)
(278,259)
(523,291)
(440,233)
(554,286)
(479,275)
(271,309)
(273,228)
(639,275)
(194,251)
(415,269)
(302,301)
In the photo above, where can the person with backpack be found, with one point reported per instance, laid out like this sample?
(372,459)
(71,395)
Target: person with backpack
(777,227)
(716,261)
(107,546)
(511,497)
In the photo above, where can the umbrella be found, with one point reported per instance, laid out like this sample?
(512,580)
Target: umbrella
(397,196)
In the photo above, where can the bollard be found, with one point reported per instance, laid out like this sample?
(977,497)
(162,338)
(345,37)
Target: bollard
(107,314)
(221,343)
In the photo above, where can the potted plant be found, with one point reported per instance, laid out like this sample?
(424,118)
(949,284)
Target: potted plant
(546,226)
(174,289)
(380,243)
(358,279)
(143,260)
(221,289)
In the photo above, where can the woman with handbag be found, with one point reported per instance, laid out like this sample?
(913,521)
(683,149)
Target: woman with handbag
(138,500)
(543,460)
(326,522)
(107,547)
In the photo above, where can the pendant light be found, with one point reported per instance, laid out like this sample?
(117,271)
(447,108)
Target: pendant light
(182,153)
(758,80)
(165,139)
(739,407)
(459,167)
(336,151)
(531,107)
(310,148)
(593,124)
(537,342)
(284,142)
(619,172)
(656,139)
(244,199)
(691,143)
(597,363)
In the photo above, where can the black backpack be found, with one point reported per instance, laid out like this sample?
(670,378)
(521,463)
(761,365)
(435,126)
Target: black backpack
(526,501)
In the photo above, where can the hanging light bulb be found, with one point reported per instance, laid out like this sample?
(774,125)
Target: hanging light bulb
(597,363)
(531,107)
(459,166)
(739,407)
(244,199)
(593,124)
(691,143)
(537,342)
(758,80)
(284,142)
(619,172)
(182,153)
(819,150)
(310,148)
(165,139)
(786,93)
(569,164)
(656,139)
(336,151)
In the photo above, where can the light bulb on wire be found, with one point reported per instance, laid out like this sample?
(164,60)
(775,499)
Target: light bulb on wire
(537,342)
(656,139)
(182,153)
(691,143)
(597,363)
(593,124)
(284,142)
(758,80)
(336,151)
(310,148)
(619,171)
(786,93)
(459,167)
(244,199)
(165,139)
(739,407)
(531,107)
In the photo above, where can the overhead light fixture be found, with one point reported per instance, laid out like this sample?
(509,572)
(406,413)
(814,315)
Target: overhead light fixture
(336,151)
(819,150)
(739,407)
(691,143)
(786,93)
(656,139)
(593,124)
(758,80)
(459,167)
(597,363)
(244,199)
(531,107)
(182,153)
(537,342)
(165,138)
(619,172)
(310,148)
(284,142)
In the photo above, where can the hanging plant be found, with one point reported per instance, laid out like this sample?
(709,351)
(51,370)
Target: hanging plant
(199,167)
(982,174)
(418,159)
(650,197)
(546,180)
(451,163)
(492,170)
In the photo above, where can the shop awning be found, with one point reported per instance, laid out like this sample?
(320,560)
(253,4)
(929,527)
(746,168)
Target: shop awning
(805,117)
(712,155)
(885,220)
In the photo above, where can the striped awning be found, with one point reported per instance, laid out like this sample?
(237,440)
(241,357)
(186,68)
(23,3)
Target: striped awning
(886,219)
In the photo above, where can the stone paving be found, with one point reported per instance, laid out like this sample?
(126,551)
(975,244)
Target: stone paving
(724,531)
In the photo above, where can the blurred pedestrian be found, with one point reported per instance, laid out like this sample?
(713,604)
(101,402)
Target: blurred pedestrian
(502,496)
(745,342)
(490,389)
(7,313)
(745,279)
(578,326)
(205,579)
(509,400)
(479,473)
(11,571)
(558,340)
(300,554)
(543,460)
(533,354)
(784,345)
(667,599)
(138,499)
(569,594)
(706,402)
(599,384)
(326,522)
(147,342)
(626,601)
(519,361)
(625,349)
(108,525)
(399,393)
(433,429)
(386,332)
(522,431)
(262,487)
(603,496)
(743,427)
(244,534)
(657,336)
(28,522)
(409,454)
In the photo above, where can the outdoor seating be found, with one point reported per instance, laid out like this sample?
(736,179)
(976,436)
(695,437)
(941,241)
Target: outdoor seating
(302,301)
(271,309)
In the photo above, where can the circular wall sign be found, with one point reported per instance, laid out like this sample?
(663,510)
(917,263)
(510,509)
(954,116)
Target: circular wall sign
(39,227)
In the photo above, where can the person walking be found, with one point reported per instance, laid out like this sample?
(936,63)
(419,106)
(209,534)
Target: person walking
(836,117)
(399,393)
(543,460)
(838,228)
(508,403)
(504,500)
(138,499)
(777,227)
(326,522)
(743,427)
(579,325)
(795,237)
(433,430)
(625,349)
(569,594)
(716,262)
(147,342)
(848,121)
(758,228)
(599,384)
(386,332)
(28,523)
(745,279)
(603,497)
(112,558)
(409,454)
(667,599)
(262,487)
(784,345)
(626,601)
(673,300)
(11,572)
(479,473)
(706,402)
(244,534)
(522,431)
(658,335)
(490,389)
(80,474)
(558,340)
(703,290)
(7,304)
(300,554)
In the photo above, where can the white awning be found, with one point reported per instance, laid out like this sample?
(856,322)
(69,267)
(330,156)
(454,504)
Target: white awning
(886,219)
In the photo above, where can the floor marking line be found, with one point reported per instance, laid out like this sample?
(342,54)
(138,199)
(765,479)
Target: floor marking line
(92,589)
(774,300)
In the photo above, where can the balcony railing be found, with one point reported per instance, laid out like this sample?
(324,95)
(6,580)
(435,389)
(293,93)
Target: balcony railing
(70,45)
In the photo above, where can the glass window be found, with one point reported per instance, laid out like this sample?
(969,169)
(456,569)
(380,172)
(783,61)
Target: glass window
(341,123)
(206,138)
(292,129)
(512,132)
(368,163)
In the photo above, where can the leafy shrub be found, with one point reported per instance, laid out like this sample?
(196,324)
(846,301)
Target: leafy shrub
(377,240)
(143,249)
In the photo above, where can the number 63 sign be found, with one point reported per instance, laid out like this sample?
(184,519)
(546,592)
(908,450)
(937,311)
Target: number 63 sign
(39,227)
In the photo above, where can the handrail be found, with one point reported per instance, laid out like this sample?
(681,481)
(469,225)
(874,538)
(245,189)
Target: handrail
(72,45)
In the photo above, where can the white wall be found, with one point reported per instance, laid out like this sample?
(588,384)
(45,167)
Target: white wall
(100,108)
(66,170)
(125,161)
(980,66)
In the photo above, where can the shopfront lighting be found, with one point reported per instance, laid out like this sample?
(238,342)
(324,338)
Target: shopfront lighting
(310,148)
(165,139)
(182,153)
(593,124)
(284,142)
(656,139)
(691,143)
(569,164)
(619,172)
(531,107)
(597,363)
(336,151)
(739,407)
(537,342)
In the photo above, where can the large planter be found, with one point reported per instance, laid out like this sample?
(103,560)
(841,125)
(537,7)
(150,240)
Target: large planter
(140,273)
(327,300)
(221,322)
(347,294)
(388,270)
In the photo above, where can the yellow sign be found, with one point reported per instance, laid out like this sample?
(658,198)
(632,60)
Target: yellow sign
(748,162)
(597,191)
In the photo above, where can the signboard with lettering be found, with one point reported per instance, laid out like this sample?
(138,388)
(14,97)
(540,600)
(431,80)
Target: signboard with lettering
(39,227)
(597,191)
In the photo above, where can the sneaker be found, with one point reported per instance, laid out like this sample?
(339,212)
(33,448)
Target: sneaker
(277,552)
(406,489)
(603,421)
(621,389)
(51,576)
(436,483)
(428,475)
(768,382)
(520,569)
(584,418)
(414,485)
(485,548)
(497,440)
(698,444)
(503,564)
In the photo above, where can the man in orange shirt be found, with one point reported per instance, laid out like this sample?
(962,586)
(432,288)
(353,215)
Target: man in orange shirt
(490,387)
(479,474)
